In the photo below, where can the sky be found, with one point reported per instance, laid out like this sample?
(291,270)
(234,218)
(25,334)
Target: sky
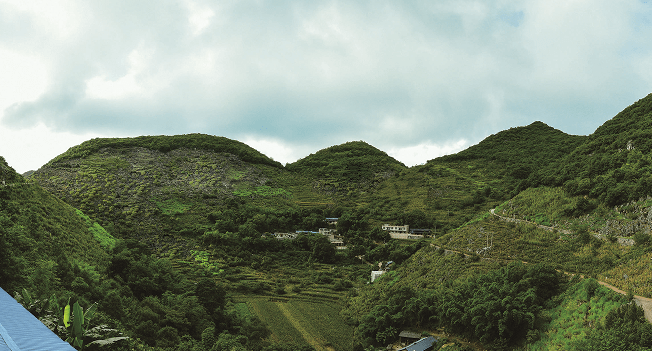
(416,79)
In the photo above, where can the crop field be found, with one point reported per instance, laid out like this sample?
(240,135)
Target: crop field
(303,321)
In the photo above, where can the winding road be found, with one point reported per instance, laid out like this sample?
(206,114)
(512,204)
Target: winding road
(644,302)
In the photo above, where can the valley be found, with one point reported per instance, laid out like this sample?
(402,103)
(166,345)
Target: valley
(538,240)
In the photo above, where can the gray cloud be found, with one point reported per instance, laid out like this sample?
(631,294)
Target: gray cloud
(309,73)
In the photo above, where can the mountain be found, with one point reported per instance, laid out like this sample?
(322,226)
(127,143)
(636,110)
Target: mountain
(579,205)
(520,150)
(613,164)
(157,186)
(37,230)
(349,168)
(517,220)
(166,144)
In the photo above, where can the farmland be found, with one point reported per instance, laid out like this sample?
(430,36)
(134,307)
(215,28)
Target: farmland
(302,321)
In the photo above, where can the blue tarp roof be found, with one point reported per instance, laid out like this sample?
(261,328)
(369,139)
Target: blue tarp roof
(21,331)
(420,345)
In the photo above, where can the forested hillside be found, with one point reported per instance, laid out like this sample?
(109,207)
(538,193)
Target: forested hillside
(347,170)
(37,230)
(613,165)
(172,237)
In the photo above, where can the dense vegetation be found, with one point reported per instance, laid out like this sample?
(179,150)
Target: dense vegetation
(172,240)
(166,144)
(613,165)
(348,169)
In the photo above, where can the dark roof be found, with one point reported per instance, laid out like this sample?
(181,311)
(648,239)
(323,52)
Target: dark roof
(409,334)
(21,331)
(416,230)
(420,345)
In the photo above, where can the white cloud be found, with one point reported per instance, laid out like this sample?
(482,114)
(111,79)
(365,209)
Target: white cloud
(23,77)
(423,152)
(29,149)
(278,150)
(317,74)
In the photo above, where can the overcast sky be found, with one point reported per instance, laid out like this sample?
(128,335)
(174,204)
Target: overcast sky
(416,79)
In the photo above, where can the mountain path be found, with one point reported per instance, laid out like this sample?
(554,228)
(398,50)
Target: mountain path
(644,302)
(311,339)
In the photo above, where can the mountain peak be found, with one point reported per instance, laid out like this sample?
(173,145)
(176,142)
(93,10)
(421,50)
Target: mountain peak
(166,143)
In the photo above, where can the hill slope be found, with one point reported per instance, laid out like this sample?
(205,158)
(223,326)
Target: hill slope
(152,187)
(613,164)
(348,169)
(37,230)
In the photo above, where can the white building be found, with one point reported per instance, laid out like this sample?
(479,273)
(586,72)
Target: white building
(286,236)
(400,232)
(376,274)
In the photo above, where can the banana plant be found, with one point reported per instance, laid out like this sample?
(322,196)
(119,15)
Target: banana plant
(70,323)
(76,322)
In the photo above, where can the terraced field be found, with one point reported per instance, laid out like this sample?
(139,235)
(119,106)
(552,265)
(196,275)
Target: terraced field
(300,320)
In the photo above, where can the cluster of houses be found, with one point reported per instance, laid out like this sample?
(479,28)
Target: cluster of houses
(395,232)
(331,234)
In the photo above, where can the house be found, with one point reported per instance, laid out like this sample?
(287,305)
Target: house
(420,345)
(331,220)
(376,274)
(396,231)
(330,233)
(400,232)
(420,231)
(20,330)
(285,236)
(332,236)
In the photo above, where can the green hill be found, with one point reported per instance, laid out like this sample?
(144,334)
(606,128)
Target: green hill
(564,206)
(164,143)
(39,231)
(348,169)
(506,170)
(154,187)
(613,164)
(452,190)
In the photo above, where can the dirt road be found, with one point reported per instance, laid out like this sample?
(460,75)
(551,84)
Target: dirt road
(644,302)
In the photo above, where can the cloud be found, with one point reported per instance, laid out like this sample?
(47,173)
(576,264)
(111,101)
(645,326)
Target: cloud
(418,154)
(321,73)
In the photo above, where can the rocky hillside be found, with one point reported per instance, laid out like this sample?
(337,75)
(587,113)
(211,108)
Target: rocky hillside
(159,186)
(348,169)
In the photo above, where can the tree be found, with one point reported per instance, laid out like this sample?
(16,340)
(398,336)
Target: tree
(211,296)
(322,249)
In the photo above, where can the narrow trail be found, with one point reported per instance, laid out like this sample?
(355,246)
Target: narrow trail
(311,339)
(644,302)
(544,227)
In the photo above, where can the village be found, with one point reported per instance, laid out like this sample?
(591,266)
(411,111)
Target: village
(402,232)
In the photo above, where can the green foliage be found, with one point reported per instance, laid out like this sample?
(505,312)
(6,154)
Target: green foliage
(106,240)
(498,306)
(624,328)
(172,207)
(35,227)
(80,321)
(348,169)
(169,143)
(613,164)
(502,304)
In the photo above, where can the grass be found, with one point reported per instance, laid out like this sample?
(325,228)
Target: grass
(172,206)
(303,321)
(578,311)
(106,240)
